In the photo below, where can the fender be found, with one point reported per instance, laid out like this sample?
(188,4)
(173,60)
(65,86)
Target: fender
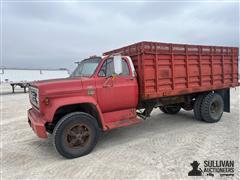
(55,103)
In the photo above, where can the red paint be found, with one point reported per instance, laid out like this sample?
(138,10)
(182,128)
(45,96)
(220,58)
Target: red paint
(169,69)
(162,70)
(37,123)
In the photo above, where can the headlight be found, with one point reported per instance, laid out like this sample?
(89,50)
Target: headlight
(34,96)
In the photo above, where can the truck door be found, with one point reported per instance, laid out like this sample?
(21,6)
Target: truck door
(116,91)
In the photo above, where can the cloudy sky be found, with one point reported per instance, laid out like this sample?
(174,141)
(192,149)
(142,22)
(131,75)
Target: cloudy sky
(56,34)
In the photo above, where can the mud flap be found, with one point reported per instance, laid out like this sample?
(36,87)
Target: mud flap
(225,93)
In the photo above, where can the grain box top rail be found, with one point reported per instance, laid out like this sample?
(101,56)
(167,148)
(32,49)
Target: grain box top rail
(168,48)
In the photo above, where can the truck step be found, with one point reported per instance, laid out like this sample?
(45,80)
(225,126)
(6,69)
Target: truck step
(122,123)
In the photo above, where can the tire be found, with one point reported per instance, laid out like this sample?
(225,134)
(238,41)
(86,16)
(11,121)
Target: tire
(170,109)
(197,107)
(187,107)
(162,109)
(75,135)
(212,108)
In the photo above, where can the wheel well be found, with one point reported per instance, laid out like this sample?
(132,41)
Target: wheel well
(63,110)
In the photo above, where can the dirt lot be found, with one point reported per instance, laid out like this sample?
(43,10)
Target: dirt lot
(161,147)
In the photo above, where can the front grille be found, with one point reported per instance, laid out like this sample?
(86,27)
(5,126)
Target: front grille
(33,96)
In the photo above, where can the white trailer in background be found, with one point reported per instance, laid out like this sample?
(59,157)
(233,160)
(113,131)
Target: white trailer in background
(21,76)
(26,75)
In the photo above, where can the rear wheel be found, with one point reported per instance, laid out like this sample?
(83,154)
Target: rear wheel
(212,108)
(187,107)
(162,109)
(170,109)
(75,135)
(197,107)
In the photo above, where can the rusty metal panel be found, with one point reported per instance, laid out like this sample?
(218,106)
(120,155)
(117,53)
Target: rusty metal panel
(174,69)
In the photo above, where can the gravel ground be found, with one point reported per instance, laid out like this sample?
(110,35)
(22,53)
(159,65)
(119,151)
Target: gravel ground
(161,147)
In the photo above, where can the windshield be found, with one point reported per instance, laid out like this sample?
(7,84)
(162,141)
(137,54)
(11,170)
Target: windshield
(86,68)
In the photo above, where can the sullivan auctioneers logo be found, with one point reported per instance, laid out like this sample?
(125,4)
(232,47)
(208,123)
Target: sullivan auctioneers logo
(211,168)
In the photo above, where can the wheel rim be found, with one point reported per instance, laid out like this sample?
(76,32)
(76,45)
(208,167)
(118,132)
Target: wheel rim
(215,109)
(77,135)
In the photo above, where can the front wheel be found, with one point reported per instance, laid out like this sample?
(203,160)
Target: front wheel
(75,135)
(174,109)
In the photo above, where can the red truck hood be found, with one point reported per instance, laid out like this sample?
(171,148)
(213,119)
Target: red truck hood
(56,87)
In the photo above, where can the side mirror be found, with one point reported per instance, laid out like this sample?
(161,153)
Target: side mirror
(117,60)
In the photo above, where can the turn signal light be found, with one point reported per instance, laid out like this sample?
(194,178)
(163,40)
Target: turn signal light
(46,101)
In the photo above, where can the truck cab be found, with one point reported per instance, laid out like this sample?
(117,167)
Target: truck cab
(101,94)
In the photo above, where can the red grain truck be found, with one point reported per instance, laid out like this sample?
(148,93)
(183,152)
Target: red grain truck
(123,86)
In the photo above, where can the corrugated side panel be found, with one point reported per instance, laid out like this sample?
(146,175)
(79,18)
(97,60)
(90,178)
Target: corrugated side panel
(176,69)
